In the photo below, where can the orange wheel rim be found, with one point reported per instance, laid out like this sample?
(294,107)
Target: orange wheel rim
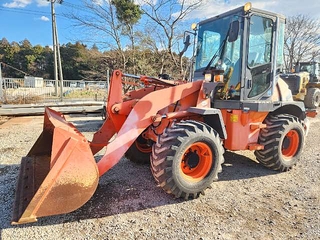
(142,147)
(290,144)
(196,162)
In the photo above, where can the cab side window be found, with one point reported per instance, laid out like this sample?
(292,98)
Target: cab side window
(259,54)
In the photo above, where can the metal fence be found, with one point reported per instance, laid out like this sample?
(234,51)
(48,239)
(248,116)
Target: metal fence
(38,90)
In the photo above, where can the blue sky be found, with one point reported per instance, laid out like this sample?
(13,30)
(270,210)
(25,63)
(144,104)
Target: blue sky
(31,19)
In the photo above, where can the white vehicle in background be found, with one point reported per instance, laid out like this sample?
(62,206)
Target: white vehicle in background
(49,84)
(73,85)
(81,85)
(101,85)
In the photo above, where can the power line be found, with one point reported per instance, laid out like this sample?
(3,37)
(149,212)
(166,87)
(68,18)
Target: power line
(30,12)
(23,10)
(7,65)
(40,13)
(78,7)
(70,5)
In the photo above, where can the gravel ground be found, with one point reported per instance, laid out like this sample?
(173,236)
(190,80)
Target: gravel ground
(249,201)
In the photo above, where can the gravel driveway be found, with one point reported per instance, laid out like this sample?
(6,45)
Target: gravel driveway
(249,201)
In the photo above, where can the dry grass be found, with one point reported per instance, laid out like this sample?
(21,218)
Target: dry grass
(23,100)
(27,97)
(86,93)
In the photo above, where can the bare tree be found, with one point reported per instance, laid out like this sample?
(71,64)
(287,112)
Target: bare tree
(167,16)
(99,20)
(302,40)
(153,40)
(166,20)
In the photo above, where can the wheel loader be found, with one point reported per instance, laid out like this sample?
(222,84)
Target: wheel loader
(304,83)
(236,101)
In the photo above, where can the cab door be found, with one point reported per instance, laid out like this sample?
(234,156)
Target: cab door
(258,69)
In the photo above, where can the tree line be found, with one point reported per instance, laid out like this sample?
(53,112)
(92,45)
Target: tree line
(78,61)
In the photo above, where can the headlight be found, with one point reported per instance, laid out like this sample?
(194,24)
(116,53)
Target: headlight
(207,77)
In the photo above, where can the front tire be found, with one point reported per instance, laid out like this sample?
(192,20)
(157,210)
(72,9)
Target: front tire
(187,158)
(312,99)
(283,141)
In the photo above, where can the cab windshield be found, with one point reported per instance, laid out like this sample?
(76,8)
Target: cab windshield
(211,36)
(307,67)
(214,48)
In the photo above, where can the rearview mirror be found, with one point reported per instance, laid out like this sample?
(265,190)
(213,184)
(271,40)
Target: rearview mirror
(186,43)
(233,31)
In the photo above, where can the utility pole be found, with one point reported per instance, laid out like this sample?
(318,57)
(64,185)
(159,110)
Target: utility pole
(1,81)
(55,68)
(56,51)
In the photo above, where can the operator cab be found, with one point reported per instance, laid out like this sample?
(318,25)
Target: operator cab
(313,68)
(244,45)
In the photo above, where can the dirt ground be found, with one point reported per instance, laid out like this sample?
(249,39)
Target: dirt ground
(248,202)
(3,119)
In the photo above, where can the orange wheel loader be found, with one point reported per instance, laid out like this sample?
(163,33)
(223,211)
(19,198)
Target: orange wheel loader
(235,101)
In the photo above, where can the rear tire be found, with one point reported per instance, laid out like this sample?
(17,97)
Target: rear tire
(312,99)
(187,158)
(283,141)
(139,152)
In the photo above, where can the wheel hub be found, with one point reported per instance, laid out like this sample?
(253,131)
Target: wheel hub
(290,144)
(197,161)
(192,159)
(286,143)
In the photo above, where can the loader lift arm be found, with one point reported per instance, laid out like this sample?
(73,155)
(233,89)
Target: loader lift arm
(130,118)
(119,106)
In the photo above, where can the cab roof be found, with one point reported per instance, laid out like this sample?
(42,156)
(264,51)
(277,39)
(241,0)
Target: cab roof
(240,9)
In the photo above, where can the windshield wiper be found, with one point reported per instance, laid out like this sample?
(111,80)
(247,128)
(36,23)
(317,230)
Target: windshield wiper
(221,47)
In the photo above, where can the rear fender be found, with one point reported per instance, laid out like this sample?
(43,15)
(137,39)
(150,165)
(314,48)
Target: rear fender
(293,108)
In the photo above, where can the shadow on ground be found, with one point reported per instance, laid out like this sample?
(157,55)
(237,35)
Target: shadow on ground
(237,166)
(127,187)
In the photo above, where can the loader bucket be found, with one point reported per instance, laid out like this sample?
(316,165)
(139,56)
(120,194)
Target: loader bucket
(58,175)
